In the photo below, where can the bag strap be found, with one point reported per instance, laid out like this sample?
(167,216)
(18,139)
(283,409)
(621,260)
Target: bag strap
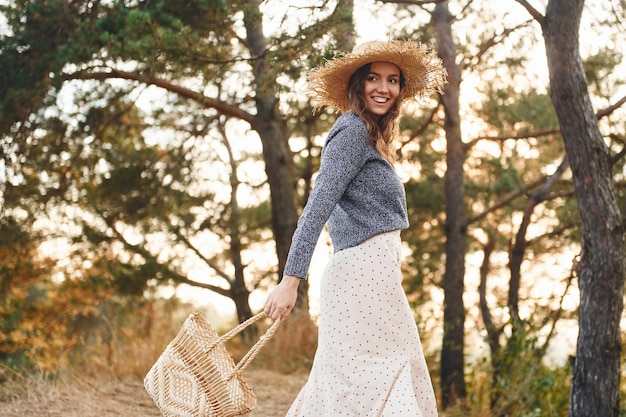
(233,332)
(254,350)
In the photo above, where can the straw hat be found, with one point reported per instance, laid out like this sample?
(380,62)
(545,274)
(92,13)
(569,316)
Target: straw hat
(423,71)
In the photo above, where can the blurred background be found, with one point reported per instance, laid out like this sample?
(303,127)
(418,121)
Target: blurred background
(155,156)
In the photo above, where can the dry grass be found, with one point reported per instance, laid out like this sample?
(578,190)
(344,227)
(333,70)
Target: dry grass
(109,378)
(80,396)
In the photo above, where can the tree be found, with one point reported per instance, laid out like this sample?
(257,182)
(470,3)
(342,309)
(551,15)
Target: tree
(197,53)
(452,356)
(452,363)
(595,383)
(455,223)
(507,180)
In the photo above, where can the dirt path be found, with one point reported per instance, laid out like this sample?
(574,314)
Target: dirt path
(90,398)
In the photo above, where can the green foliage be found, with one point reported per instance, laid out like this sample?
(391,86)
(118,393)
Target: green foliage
(38,48)
(37,318)
(426,206)
(164,36)
(530,387)
(158,37)
(47,322)
(600,69)
(129,279)
(18,274)
(135,192)
(497,180)
(514,112)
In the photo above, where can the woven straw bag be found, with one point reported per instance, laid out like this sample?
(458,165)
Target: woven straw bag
(195,376)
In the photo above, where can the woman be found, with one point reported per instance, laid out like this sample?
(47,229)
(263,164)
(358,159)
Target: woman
(369,360)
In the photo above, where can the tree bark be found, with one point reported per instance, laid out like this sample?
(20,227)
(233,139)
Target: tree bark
(452,358)
(274,135)
(493,332)
(595,383)
(504,361)
(239,291)
(518,249)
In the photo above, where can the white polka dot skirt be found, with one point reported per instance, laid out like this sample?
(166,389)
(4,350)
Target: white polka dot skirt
(369,360)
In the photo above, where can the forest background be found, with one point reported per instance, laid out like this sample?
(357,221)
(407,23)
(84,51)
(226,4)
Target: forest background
(155,156)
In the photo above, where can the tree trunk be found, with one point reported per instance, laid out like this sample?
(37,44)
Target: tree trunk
(452,358)
(504,361)
(518,250)
(493,332)
(595,383)
(239,291)
(274,136)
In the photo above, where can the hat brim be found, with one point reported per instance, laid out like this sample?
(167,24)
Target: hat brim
(423,71)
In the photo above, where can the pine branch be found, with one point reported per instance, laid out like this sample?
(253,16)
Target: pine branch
(207,102)
(607,111)
(179,278)
(533,12)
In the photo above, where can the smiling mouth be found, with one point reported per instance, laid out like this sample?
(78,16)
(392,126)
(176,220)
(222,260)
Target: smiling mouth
(381,100)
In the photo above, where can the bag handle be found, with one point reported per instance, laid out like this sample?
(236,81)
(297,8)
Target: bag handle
(240,327)
(254,350)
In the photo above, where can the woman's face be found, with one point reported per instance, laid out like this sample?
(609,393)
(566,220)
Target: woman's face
(382,87)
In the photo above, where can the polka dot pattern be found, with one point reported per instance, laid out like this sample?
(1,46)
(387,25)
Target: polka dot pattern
(369,361)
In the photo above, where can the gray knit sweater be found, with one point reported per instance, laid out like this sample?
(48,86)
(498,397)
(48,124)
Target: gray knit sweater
(357,192)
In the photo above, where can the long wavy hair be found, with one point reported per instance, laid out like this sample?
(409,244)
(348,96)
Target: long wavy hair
(383,129)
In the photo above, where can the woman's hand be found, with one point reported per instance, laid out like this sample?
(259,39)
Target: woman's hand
(282,299)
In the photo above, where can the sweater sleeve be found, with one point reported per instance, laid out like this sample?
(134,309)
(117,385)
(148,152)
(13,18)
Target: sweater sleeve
(343,155)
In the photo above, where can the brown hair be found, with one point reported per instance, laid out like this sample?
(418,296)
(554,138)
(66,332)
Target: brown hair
(384,129)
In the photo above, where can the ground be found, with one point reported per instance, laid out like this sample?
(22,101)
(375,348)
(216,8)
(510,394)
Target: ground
(95,398)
